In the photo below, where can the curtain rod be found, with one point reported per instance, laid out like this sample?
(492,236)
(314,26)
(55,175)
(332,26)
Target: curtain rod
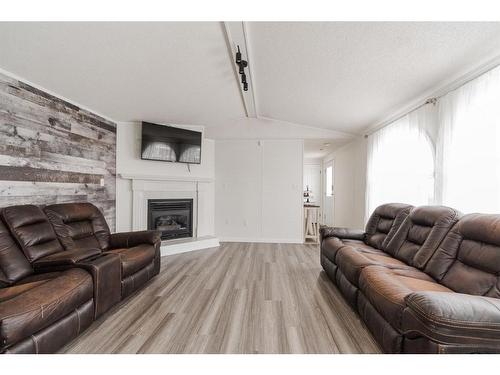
(451,87)
(428,101)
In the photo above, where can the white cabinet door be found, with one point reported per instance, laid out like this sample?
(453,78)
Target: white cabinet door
(282,190)
(258,190)
(238,189)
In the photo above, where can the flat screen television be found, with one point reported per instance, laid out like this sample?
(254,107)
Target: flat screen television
(166,143)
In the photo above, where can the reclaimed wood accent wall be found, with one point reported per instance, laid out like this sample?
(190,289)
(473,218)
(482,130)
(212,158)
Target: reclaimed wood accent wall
(52,151)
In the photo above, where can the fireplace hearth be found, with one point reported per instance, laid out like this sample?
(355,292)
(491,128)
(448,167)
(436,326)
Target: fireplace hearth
(172,217)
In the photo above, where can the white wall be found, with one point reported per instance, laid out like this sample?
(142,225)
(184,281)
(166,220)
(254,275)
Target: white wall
(349,184)
(128,160)
(258,190)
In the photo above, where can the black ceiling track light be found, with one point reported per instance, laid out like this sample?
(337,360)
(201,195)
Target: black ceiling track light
(242,64)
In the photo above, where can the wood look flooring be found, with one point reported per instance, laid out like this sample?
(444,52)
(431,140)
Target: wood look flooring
(238,298)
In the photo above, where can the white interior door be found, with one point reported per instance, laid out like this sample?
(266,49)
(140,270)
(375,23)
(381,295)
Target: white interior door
(328,200)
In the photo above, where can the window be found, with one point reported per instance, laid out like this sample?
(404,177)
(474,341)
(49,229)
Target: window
(469,148)
(401,163)
(329,181)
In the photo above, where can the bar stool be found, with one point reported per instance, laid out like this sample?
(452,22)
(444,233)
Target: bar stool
(311,230)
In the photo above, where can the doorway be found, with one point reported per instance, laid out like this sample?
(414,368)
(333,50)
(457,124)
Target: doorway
(328,199)
(312,184)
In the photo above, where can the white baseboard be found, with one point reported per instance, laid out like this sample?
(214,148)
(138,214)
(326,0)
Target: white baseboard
(188,244)
(261,240)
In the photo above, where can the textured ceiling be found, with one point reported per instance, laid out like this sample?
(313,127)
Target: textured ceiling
(164,72)
(347,76)
(337,77)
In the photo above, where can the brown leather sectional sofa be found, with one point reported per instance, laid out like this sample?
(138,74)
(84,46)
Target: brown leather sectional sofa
(61,268)
(424,279)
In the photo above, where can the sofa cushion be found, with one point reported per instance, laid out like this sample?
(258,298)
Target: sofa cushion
(384,222)
(40,301)
(135,258)
(330,246)
(13,264)
(386,289)
(32,230)
(26,284)
(421,233)
(362,247)
(79,225)
(351,262)
(468,260)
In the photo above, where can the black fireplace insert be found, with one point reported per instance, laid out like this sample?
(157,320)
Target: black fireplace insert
(172,217)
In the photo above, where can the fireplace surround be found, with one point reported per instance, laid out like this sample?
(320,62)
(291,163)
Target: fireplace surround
(172,217)
(140,188)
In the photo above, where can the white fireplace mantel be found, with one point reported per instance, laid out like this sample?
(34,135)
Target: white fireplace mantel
(136,176)
(199,189)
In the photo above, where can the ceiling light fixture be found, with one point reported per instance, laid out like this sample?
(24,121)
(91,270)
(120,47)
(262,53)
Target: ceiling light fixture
(242,64)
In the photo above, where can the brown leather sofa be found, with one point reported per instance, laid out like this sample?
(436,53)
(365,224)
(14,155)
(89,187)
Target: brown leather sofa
(54,283)
(423,279)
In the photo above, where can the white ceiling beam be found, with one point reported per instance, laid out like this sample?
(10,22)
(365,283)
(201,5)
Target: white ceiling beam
(236,35)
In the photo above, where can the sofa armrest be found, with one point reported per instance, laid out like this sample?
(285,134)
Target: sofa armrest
(453,319)
(342,233)
(130,239)
(65,258)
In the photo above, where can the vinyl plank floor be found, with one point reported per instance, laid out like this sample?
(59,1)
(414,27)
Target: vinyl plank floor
(237,298)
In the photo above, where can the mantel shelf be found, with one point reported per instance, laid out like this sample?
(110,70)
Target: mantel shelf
(135,176)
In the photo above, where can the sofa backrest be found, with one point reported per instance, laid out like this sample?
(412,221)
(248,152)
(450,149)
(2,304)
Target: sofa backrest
(468,260)
(421,234)
(79,225)
(384,222)
(32,231)
(13,264)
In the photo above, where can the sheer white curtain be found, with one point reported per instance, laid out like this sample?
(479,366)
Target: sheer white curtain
(401,161)
(468,177)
